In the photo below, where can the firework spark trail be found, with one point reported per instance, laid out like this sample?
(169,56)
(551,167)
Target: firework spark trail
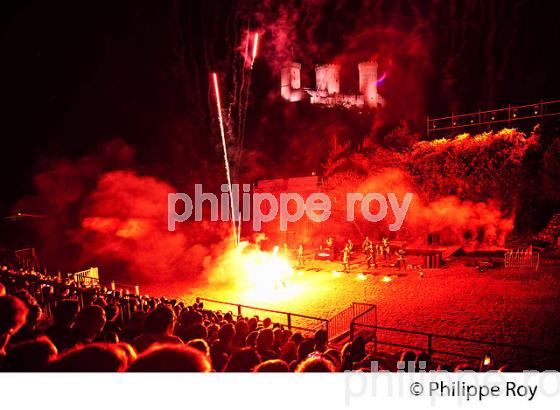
(245,101)
(255,48)
(226,161)
(240,104)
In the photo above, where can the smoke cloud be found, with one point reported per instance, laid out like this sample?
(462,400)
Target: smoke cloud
(456,221)
(99,212)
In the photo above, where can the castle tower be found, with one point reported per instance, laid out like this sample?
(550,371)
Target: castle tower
(327,77)
(290,81)
(368,82)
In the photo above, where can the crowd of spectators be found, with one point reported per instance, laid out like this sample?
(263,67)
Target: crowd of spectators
(51,323)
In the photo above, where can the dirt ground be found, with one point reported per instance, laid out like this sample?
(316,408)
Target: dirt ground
(508,306)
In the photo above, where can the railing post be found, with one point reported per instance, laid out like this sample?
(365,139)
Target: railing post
(430,345)
(238,310)
(452,124)
(289,321)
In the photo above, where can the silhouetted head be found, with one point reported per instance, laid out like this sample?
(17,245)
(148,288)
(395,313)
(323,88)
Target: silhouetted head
(197,331)
(128,350)
(226,333)
(288,352)
(422,361)
(334,356)
(408,358)
(112,311)
(13,314)
(189,317)
(95,357)
(321,339)
(243,360)
(315,365)
(241,329)
(90,320)
(296,338)
(201,345)
(171,358)
(358,349)
(251,339)
(464,367)
(252,322)
(272,366)
(305,348)
(29,356)
(160,321)
(265,339)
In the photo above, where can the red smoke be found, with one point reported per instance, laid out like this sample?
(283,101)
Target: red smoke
(459,222)
(100,213)
(125,220)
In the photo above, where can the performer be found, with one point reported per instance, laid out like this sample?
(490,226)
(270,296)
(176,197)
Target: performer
(400,258)
(366,244)
(346,259)
(370,254)
(378,249)
(301,262)
(350,245)
(386,248)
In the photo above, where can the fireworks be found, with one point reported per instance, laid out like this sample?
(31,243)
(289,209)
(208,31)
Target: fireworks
(226,161)
(255,275)
(255,48)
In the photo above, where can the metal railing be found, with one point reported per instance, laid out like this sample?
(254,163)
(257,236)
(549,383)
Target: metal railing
(485,119)
(339,324)
(288,319)
(524,357)
(87,277)
(521,258)
(361,324)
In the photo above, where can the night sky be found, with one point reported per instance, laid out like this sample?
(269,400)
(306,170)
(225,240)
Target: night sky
(75,74)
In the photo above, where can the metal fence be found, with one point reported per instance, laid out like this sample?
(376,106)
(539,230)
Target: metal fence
(484,120)
(443,347)
(88,277)
(339,324)
(521,258)
(290,320)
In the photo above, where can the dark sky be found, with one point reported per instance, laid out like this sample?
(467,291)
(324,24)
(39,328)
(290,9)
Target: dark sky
(77,73)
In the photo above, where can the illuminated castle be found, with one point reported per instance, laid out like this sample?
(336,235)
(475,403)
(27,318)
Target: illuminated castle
(327,92)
